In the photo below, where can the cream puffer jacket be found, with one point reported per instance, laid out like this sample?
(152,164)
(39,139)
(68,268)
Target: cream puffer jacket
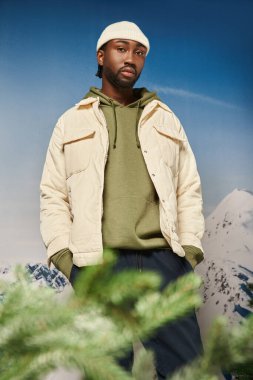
(73,180)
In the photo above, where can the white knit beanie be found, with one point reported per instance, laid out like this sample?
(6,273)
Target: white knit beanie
(123,29)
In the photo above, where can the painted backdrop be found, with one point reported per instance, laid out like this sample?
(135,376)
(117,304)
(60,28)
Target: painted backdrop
(200,64)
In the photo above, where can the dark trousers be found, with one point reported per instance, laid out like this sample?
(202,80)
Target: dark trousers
(174,344)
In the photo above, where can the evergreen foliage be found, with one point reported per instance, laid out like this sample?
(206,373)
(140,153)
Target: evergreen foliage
(93,328)
(226,348)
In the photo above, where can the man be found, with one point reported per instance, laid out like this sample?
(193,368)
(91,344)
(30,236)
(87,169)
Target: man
(120,173)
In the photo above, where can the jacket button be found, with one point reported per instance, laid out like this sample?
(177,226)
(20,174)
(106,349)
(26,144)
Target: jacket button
(153,174)
(145,151)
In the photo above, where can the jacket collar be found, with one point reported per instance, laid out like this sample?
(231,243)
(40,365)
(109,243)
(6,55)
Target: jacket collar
(154,103)
(85,102)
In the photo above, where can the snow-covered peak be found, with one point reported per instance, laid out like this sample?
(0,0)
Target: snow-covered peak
(229,229)
(237,202)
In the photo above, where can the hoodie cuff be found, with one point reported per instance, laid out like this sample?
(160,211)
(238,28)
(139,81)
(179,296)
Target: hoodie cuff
(193,254)
(63,261)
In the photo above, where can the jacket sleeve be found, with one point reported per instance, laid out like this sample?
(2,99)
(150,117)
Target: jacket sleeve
(189,198)
(193,254)
(55,215)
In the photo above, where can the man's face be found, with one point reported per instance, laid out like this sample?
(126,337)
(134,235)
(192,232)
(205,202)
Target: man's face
(122,62)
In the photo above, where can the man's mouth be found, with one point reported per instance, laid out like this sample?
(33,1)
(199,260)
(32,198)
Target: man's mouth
(128,72)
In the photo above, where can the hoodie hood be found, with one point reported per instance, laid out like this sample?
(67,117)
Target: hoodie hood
(142,94)
(143,97)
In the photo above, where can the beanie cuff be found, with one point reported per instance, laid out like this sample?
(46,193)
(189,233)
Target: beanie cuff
(124,29)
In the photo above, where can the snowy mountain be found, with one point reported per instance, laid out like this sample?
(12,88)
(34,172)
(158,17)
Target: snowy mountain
(228,265)
(40,274)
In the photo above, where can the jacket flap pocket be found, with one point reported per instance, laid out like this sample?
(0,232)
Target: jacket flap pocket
(74,136)
(172,133)
(78,149)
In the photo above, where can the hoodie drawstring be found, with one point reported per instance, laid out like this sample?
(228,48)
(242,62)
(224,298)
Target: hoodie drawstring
(116,125)
(136,126)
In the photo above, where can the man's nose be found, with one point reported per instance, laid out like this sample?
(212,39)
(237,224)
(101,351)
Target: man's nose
(129,57)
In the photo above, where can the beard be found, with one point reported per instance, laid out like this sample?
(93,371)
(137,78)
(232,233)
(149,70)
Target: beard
(117,80)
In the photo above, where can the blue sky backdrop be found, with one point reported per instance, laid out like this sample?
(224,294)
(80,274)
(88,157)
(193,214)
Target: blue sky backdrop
(200,63)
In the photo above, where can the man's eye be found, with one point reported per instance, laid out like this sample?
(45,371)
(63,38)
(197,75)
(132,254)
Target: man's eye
(120,49)
(140,52)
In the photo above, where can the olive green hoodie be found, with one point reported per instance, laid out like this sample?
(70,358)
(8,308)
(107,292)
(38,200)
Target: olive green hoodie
(131,206)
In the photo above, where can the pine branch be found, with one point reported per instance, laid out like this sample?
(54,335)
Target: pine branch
(141,307)
(179,298)
(144,365)
(90,331)
(228,349)
(38,334)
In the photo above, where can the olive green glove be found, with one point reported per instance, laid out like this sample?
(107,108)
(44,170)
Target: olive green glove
(63,261)
(193,254)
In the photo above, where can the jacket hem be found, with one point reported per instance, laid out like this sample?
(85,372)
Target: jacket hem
(190,239)
(88,258)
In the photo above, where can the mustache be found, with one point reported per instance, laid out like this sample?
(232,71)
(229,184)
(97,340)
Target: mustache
(128,68)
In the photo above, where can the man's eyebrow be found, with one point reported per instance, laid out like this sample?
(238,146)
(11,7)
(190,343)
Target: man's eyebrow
(127,43)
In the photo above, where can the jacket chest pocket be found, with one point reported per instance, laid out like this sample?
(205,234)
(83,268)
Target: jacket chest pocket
(78,149)
(170,144)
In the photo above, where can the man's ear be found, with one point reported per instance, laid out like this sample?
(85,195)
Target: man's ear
(100,57)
